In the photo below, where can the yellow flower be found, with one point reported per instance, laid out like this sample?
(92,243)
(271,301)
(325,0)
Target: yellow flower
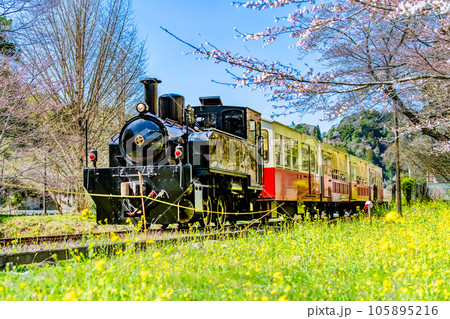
(264,298)
(277,276)
(99,264)
(156,254)
(168,293)
(391,217)
(400,272)
(70,296)
(144,275)
(85,213)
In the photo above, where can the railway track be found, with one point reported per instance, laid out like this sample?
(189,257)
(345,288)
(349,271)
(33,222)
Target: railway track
(36,240)
(52,255)
(4,242)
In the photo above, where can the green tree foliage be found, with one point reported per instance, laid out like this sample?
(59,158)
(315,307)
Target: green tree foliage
(302,128)
(407,188)
(366,135)
(7,48)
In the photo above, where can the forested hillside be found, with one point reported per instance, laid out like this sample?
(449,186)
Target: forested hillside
(366,135)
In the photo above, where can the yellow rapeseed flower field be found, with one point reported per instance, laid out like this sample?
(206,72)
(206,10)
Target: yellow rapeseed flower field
(392,259)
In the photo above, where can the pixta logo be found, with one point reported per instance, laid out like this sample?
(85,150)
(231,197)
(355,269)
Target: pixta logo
(329,311)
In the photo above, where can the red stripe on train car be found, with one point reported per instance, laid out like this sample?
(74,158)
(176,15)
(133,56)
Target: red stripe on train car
(268,183)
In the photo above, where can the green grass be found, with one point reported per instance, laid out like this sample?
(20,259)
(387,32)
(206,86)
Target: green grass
(404,259)
(24,226)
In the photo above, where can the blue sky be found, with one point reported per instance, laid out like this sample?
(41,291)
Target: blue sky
(213,21)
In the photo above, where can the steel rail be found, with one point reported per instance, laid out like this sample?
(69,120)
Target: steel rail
(4,242)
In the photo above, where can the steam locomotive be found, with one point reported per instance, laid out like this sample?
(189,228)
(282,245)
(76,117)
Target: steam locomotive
(187,162)
(214,163)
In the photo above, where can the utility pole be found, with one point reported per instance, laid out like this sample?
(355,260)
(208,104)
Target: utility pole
(44,206)
(67,199)
(397,165)
(1,180)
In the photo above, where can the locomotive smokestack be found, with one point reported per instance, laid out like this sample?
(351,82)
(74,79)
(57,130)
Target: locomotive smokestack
(151,94)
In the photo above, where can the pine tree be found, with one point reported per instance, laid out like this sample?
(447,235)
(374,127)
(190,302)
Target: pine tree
(316,133)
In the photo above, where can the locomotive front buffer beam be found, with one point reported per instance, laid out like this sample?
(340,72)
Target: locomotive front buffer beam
(165,189)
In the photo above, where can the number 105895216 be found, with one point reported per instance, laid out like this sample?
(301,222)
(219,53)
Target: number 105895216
(403,310)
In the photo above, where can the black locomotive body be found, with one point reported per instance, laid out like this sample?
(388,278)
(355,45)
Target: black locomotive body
(174,164)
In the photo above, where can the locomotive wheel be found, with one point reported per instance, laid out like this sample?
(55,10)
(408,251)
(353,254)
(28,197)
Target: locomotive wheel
(207,217)
(221,219)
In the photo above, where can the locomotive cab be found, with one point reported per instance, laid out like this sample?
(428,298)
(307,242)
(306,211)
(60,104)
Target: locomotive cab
(241,121)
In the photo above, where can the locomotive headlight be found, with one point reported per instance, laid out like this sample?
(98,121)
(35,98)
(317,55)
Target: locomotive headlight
(141,107)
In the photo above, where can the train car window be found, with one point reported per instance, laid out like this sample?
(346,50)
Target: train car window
(206,120)
(252,132)
(233,122)
(287,145)
(265,137)
(313,161)
(327,165)
(334,174)
(305,158)
(295,157)
(278,150)
(353,172)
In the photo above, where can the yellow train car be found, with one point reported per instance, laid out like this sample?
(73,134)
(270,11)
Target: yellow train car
(300,171)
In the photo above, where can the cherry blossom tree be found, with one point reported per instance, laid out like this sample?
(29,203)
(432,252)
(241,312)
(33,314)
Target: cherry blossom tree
(20,99)
(372,54)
